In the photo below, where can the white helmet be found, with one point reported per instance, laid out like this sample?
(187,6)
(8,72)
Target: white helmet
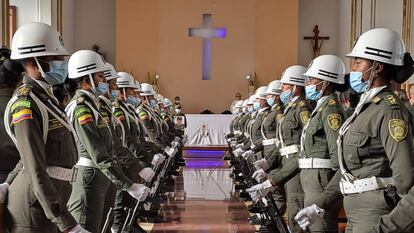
(239,104)
(380,44)
(126,80)
(85,62)
(245,102)
(294,75)
(160,99)
(251,100)
(261,93)
(167,102)
(274,88)
(110,72)
(36,40)
(327,67)
(147,90)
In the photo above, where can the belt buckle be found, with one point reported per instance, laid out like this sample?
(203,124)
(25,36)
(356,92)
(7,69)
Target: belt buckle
(74,174)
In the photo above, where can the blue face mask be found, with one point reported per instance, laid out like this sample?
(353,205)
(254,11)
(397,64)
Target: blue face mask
(270,101)
(285,96)
(58,71)
(114,94)
(153,104)
(133,100)
(250,109)
(256,106)
(356,82)
(102,88)
(312,93)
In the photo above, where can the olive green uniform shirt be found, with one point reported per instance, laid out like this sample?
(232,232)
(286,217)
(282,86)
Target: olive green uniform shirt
(36,154)
(95,140)
(295,116)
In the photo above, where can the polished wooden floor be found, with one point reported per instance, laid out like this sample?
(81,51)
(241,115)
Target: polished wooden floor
(203,199)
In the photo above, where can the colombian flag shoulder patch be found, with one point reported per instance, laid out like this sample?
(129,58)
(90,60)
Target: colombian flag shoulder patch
(143,115)
(85,119)
(22,115)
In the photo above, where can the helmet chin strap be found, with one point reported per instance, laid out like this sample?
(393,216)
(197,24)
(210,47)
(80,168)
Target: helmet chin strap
(324,85)
(371,75)
(293,92)
(124,93)
(93,88)
(42,73)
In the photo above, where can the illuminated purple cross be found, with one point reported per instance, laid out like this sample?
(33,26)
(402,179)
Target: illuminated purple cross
(207,32)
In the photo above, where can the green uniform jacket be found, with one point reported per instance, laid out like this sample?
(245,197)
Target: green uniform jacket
(378,143)
(295,116)
(323,130)
(95,140)
(58,150)
(242,127)
(120,152)
(270,128)
(132,136)
(256,130)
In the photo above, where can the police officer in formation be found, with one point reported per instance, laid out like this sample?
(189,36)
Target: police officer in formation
(77,169)
(325,160)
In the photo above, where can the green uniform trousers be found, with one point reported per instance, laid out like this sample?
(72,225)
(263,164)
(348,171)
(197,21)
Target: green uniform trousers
(25,214)
(294,196)
(364,210)
(87,201)
(313,183)
(109,202)
(123,200)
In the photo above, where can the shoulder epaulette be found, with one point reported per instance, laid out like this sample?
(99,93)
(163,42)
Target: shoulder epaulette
(24,90)
(391,100)
(80,100)
(115,104)
(332,102)
(376,100)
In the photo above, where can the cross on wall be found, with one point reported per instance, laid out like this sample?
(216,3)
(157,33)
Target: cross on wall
(207,33)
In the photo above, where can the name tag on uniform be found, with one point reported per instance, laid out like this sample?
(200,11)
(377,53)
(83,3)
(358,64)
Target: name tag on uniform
(54,124)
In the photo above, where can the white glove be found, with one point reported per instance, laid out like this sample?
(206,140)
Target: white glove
(259,175)
(238,152)
(175,144)
(309,215)
(157,159)
(232,143)
(78,229)
(138,191)
(247,154)
(147,174)
(261,164)
(169,151)
(177,139)
(4,189)
(184,140)
(239,145)
(259,191)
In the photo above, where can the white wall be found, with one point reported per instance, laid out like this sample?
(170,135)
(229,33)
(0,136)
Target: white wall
(344,30)
(94,23)
(323,13)
(32,11)
(68,26)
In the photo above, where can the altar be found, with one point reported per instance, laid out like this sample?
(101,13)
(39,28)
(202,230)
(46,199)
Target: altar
(207,129)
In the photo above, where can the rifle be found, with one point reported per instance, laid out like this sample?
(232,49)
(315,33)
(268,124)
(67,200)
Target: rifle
(132,213)
(270,211)
(108,219)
